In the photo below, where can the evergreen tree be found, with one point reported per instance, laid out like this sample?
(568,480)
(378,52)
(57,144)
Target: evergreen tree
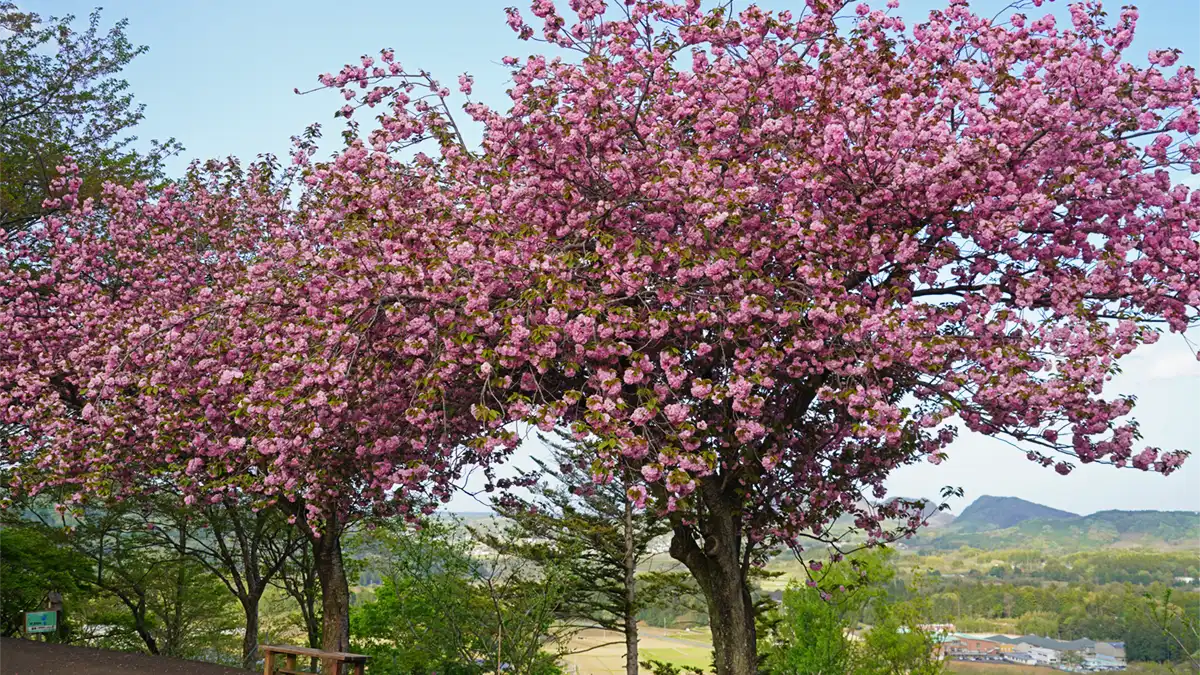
(592,530)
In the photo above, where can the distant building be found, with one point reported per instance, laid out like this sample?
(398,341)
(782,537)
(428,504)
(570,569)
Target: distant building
(1035,650)
(1020,658)
(1082,646)
(1042,655)
(1113,650)
(966,646)
(1101,662)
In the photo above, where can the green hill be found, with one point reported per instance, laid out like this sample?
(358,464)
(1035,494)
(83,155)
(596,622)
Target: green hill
(1007,522)
(994,513)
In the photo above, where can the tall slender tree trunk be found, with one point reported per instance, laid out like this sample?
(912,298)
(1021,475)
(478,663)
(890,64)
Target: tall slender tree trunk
(631,629)
(335,591)
(300,582)
(141,627)
(175,626)
(718,566)
(250,637)
(312,624)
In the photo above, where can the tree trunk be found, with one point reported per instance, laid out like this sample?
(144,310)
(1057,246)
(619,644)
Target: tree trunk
(312,624)
(141,627)
(631,630)
(147,638)
(175,628)
(335,592)
(720,569)
(250,637)
(731,619)
(300,582)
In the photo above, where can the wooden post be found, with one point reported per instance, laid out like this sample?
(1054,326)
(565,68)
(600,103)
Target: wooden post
(268,662)
(291,662)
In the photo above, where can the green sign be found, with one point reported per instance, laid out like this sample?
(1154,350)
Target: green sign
(41,622)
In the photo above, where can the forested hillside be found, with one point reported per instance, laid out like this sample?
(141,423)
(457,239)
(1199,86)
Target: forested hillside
(1008,522)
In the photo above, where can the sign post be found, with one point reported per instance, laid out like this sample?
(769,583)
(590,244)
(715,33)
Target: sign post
(40,622)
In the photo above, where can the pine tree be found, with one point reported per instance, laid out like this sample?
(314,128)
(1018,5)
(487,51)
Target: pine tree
(592,530)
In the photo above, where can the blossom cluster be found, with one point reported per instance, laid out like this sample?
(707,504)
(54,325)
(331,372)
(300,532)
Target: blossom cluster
(754,258)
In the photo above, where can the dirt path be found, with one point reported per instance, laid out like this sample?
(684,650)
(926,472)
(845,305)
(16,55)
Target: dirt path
(25,657)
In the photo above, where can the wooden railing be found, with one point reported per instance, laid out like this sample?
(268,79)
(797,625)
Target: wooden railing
(334,660)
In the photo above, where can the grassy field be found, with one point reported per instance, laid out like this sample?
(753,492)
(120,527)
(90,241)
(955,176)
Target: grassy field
(605,653)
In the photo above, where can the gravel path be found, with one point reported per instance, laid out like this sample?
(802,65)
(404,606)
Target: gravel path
(26,657)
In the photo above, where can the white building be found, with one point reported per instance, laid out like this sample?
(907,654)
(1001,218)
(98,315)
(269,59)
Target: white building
(1020,658)
(1041,655)
(1103,662)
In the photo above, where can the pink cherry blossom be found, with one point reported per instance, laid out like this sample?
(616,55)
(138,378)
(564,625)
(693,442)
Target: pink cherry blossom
(817,252)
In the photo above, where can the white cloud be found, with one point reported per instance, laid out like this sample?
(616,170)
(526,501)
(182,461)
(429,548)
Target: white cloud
(1173,364)
(1172,357)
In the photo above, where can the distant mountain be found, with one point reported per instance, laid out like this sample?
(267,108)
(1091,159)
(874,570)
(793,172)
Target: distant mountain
(995,513)
(934,517)
(1008,522)
(940,519)
(478,519)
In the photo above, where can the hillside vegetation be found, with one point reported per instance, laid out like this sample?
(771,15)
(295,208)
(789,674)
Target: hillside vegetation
(1007,523)
(990,513)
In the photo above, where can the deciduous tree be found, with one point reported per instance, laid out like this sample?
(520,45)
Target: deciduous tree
(241,544)
(227,341)
(32,566)
(61,95)
(443,607)
(762,261)
(768,260)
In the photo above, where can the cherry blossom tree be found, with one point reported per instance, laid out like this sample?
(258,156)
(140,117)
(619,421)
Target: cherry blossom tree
(759,261)
(770,258)
(244,335)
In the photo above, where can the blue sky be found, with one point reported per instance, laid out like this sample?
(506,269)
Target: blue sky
(219,77)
